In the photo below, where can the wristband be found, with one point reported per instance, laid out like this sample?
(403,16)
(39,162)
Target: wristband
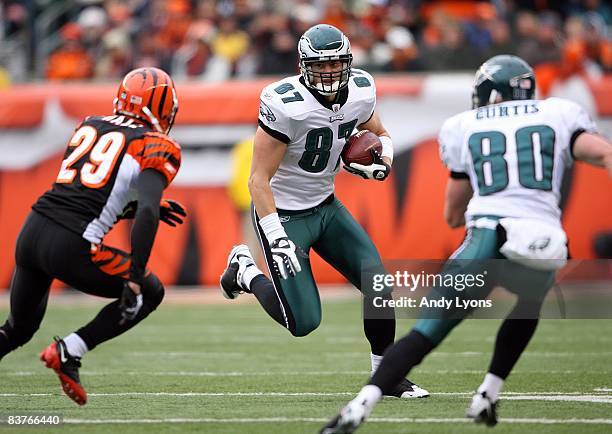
(272,227)
(387,147)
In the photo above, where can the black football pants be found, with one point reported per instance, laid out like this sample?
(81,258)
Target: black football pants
(46,251)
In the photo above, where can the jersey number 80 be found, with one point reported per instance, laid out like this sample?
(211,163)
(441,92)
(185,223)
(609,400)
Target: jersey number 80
(535,148)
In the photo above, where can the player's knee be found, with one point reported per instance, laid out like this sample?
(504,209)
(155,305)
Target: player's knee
(16,335)
(527,307)
(153,291)
(304,326)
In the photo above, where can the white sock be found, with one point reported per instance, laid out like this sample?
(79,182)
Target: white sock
(75,345)
(375,361)
(492,385)
(249,274)
(369,396)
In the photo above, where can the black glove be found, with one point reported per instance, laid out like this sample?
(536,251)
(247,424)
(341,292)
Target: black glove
(170,212)
(378,170)
(130,303)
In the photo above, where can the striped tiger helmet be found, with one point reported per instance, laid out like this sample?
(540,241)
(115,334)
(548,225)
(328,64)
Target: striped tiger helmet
(148,94)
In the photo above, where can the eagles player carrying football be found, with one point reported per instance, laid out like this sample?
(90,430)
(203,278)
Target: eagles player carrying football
(506,159)
(304,122)
(114,167)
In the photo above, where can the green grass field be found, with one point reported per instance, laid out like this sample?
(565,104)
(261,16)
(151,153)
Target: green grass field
(227,368)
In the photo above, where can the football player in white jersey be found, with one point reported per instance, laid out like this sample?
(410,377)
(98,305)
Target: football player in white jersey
(506,159)
(304,122)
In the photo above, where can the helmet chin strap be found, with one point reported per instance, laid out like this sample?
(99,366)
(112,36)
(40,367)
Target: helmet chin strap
(152,119)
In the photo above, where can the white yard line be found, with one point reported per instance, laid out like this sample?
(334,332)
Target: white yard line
(601,399)
(435,354)
(511,396)
(290,373)
(185,354)
(323,420)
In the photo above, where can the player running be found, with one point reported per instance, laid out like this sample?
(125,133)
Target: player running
(115,167)
(506,159)
(304,122)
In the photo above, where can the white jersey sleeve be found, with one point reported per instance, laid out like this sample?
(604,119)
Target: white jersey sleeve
(450,140)
(575,119)
(365,86)
(272,118)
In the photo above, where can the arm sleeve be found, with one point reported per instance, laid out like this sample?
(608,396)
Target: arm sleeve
(272,118)
(150,185)
(451,153)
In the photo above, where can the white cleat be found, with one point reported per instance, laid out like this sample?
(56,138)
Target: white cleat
(237,262)
(348,420)
(482,410)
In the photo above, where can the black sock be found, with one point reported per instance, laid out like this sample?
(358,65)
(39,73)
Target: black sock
(109,322)
(263,289)
(380,334)
(399,359)
(5,347)
(512,339)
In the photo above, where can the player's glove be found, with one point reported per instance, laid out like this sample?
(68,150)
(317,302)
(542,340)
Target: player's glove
(170,212)
(378,170)
(285,254)
(130,303)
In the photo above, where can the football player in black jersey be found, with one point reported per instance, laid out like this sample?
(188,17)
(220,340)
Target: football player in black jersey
(115,167)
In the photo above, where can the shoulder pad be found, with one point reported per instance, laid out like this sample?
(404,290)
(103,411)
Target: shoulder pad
(157,151)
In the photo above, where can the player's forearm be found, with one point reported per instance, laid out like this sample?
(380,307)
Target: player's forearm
(261,194)
(458,195)
(454,218)
(150,187)
(594,150)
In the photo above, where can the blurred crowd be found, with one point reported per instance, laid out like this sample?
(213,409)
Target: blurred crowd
(219,39)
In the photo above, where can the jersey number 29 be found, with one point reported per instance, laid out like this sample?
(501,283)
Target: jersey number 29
(103,154)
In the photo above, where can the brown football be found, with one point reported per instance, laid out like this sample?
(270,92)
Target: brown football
(358,147)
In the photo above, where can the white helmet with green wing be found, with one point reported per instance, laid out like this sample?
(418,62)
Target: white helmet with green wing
(317,46)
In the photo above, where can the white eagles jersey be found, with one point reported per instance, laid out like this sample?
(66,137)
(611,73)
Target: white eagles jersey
(515,154)
(315,132)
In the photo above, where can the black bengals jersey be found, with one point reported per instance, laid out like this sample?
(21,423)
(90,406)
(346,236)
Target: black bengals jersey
(98,175)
